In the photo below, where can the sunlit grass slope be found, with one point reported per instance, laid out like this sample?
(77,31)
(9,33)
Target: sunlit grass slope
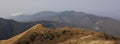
(38,34)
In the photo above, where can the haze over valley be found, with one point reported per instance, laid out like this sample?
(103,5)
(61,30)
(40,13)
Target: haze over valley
(107,8)
(59,22)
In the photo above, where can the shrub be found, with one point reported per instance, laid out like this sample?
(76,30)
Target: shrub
(33,36)
(23,42)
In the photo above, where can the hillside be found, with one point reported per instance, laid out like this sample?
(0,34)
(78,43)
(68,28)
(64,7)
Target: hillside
(10,28)
(39,34)
(90,21)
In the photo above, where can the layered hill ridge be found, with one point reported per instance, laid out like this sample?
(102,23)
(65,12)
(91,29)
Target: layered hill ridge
(10,28)
(90,21)
(17,37)
(39,34)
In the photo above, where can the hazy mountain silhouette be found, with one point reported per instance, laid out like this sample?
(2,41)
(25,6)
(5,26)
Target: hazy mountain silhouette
(27,18)
(90,21)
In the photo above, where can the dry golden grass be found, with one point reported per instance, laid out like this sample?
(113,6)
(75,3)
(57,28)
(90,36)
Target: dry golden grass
(41,35)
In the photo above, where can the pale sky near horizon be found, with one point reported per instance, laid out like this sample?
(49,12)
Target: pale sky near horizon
(99,7)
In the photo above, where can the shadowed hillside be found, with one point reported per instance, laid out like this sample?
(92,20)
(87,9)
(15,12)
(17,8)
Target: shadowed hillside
(39,34)
(10,28)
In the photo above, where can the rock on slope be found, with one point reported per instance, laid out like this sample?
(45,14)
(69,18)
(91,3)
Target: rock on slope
(40,35)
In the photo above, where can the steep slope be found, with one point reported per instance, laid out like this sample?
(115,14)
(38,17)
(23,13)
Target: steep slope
(10,28)
(39,34)
(91,21)
(108,25)
(12,40)
(2,29)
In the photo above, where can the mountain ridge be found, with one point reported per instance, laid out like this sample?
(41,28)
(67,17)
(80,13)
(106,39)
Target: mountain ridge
(10,28)
(43,35)
(90,21)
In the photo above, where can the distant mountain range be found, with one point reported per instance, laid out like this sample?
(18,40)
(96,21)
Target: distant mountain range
(39,34)
(90,21)
(28,18)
